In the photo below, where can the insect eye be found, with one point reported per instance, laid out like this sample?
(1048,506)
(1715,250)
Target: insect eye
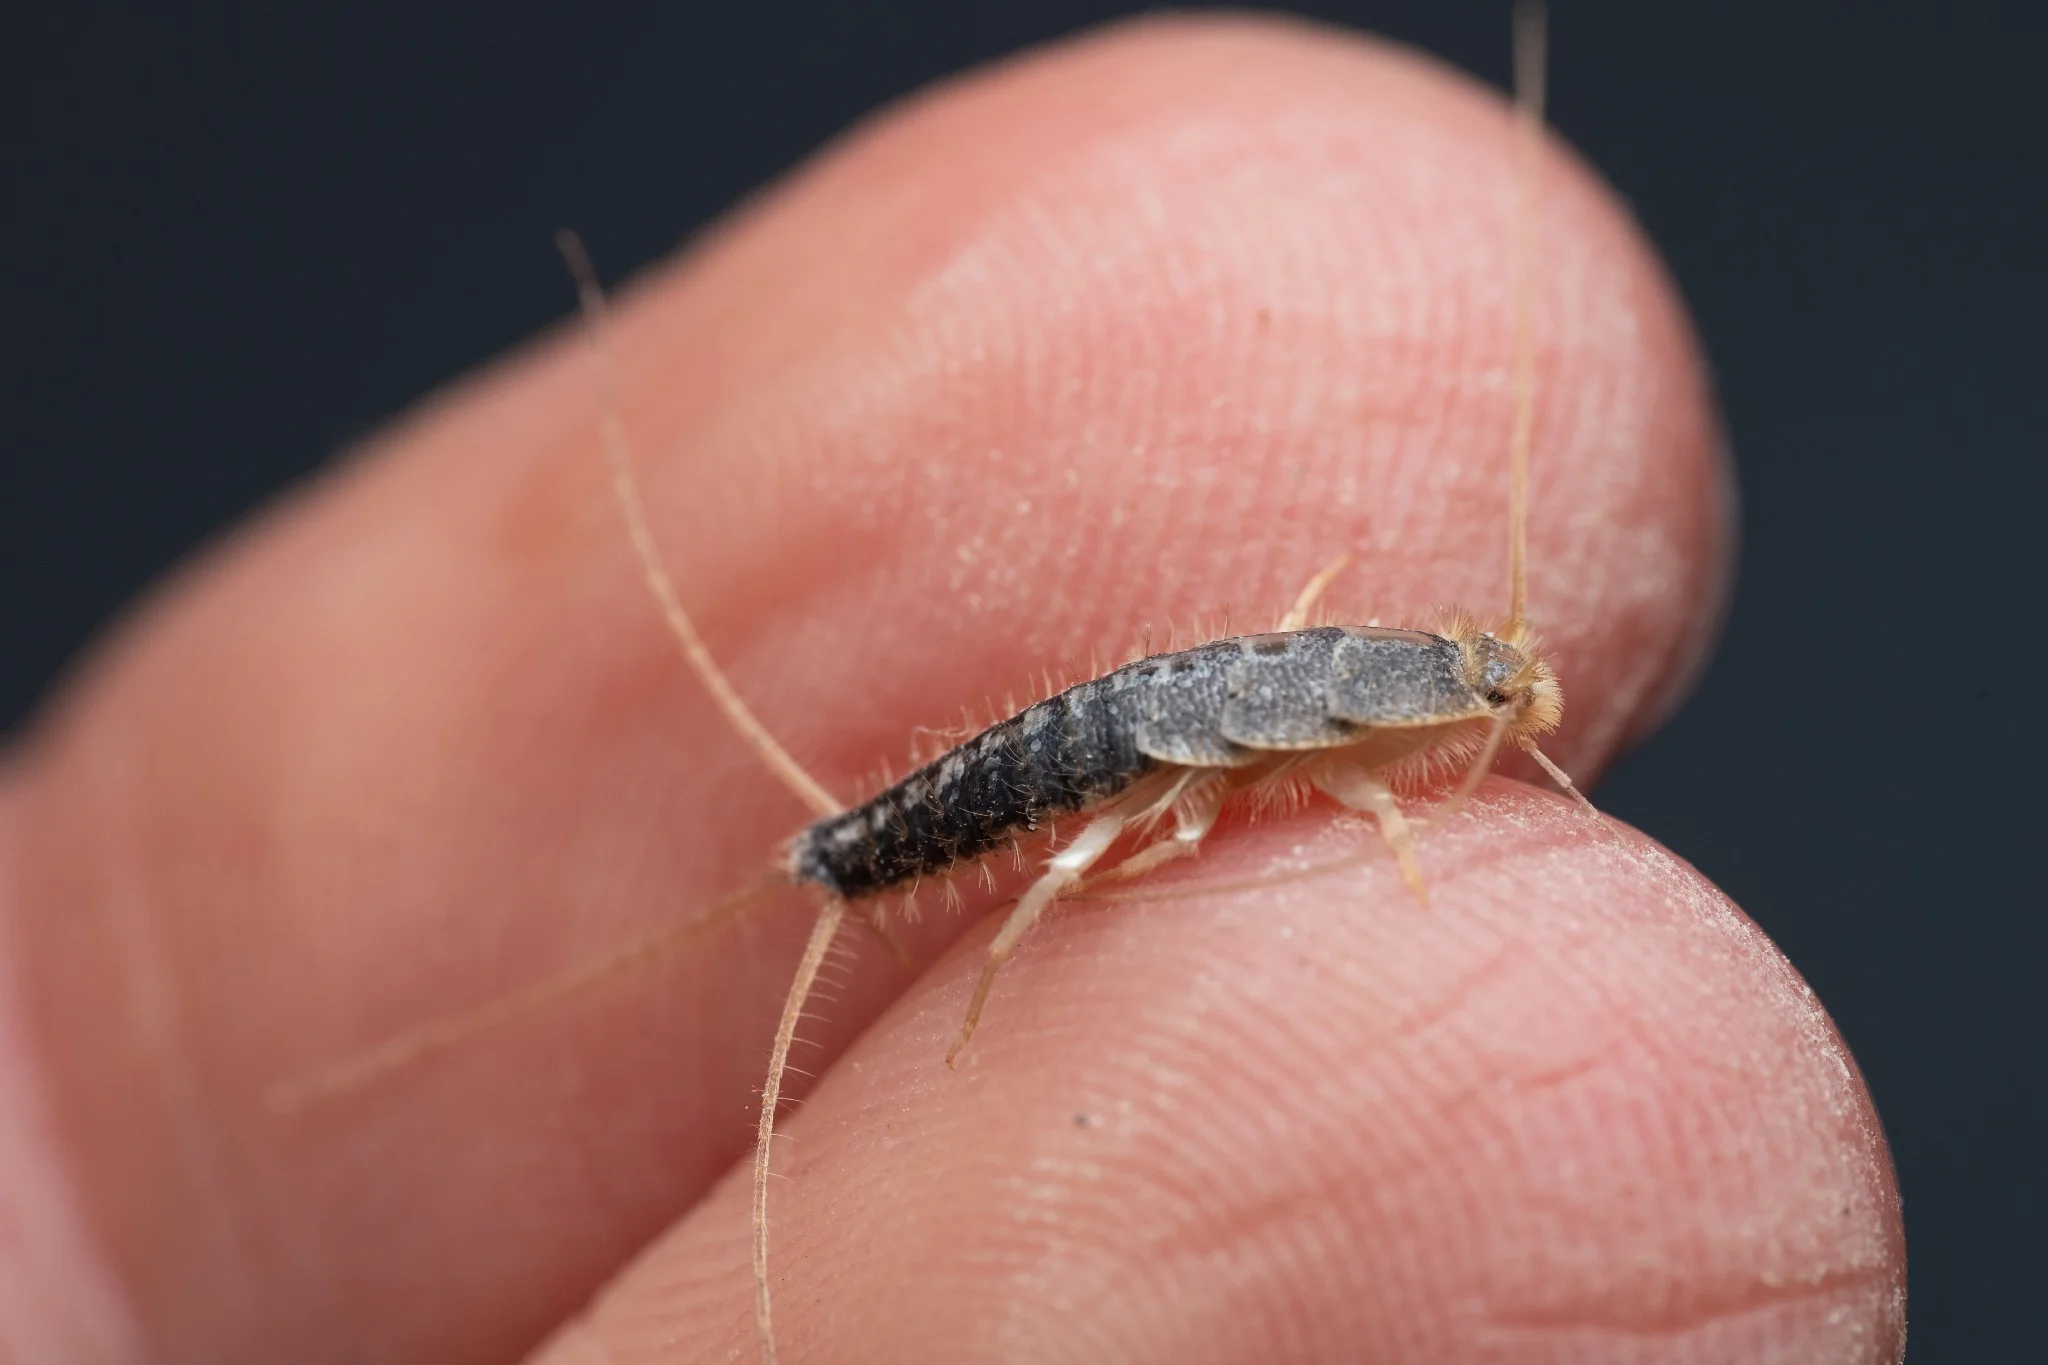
(1497,698)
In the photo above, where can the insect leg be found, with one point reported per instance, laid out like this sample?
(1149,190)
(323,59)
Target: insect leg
(1476,770)
(1066,868)
(1297,615)
(1194,815)
(820,943)
(1356,787)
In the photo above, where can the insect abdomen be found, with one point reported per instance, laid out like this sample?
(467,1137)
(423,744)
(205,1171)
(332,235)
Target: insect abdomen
(1058,756)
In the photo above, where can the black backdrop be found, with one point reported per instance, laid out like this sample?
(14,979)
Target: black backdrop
(232,244)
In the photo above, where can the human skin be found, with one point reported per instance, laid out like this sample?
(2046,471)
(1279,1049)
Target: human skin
(1119,334)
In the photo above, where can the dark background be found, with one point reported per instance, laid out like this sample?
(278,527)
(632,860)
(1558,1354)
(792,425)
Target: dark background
(233,244)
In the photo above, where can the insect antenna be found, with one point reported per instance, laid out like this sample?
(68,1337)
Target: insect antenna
(626,485)
(1531,25)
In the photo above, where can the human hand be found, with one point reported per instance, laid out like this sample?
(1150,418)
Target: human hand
(1147,325)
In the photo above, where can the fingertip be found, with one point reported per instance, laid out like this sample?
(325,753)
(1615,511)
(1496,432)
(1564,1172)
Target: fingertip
(1581,1111)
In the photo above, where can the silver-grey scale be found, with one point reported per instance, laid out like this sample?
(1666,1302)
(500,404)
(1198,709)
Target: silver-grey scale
(1225,704)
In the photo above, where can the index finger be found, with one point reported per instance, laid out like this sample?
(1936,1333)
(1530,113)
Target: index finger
(1125,334)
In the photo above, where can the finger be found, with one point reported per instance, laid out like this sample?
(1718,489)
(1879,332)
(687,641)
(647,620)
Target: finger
(1580,1110)
(1129,332)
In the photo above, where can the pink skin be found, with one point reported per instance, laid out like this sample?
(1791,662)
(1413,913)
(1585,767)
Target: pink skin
(1116,334)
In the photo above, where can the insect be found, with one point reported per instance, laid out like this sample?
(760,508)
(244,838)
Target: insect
(1149,753)
(1147,756)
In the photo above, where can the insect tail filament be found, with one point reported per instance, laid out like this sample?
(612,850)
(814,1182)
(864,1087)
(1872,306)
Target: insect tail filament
(398,1054)
(822,934)
(627,488)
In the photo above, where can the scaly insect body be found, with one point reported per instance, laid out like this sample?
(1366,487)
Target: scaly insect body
(1236,710)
